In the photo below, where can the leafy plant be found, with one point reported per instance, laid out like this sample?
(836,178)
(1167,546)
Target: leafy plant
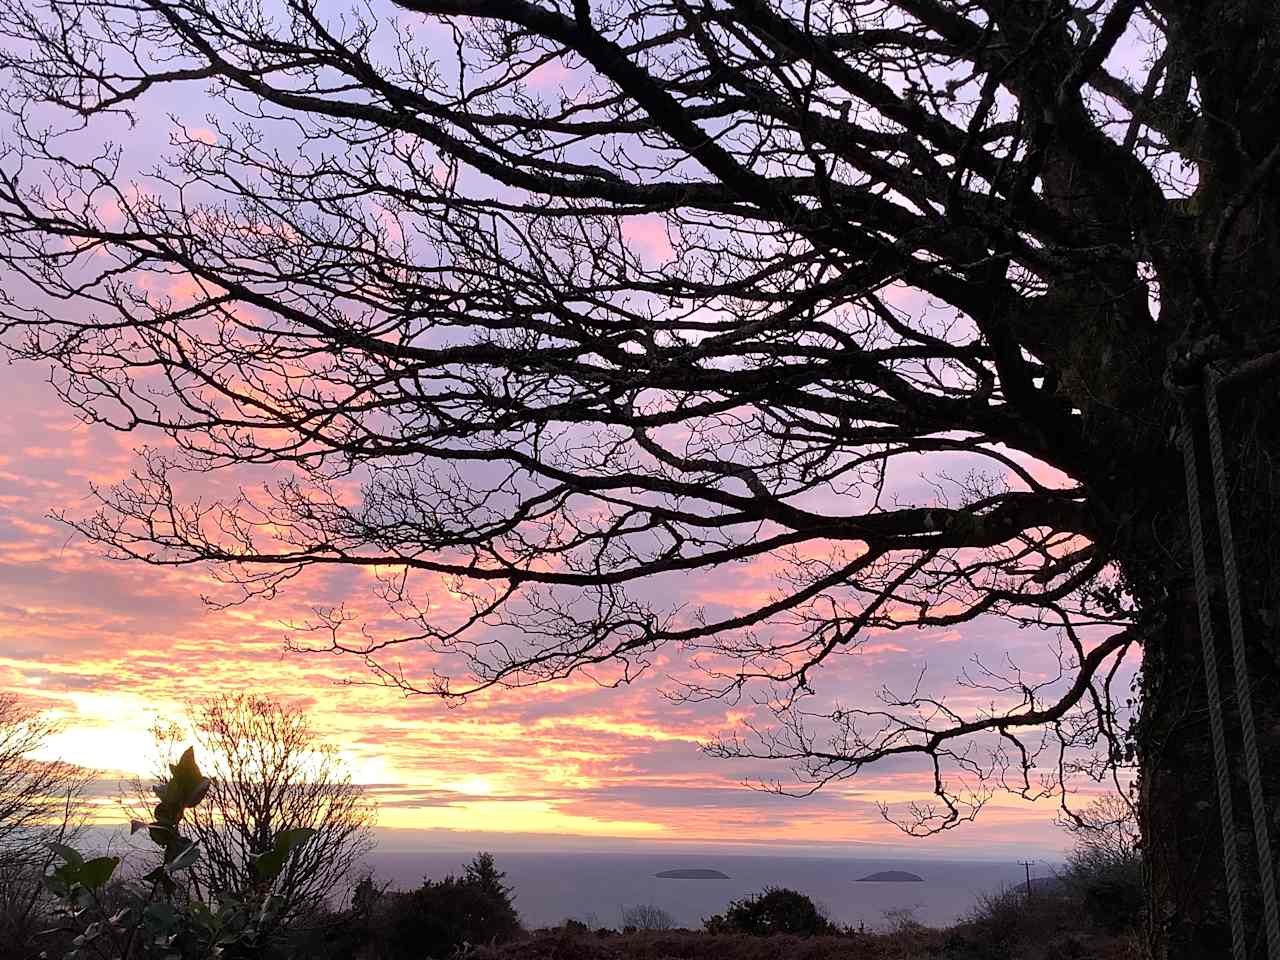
(162,920)
(76,876)
(902,920)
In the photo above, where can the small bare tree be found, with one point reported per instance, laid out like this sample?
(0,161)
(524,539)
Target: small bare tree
(271,773)
(1106,831)
(647,916)
(40,804)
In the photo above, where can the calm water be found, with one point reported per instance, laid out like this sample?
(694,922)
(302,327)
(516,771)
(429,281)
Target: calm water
(596,887)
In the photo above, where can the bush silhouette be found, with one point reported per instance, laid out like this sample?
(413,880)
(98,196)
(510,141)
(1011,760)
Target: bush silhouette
(444,916)
(776,910)
(1110,891)
(1104,870)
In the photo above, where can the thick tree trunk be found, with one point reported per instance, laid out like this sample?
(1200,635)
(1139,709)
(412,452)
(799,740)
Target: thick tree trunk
(1189,915)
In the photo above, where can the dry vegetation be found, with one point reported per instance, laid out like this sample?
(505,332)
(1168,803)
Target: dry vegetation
(967,941)
(569,944)
(1061,921)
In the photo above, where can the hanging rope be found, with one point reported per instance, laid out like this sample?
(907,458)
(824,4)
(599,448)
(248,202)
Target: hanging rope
(1244,695)
(1229,854)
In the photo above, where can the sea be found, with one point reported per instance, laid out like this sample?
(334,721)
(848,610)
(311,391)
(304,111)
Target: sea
(597,888)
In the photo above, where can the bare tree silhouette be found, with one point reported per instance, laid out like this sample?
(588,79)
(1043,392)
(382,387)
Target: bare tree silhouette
(554,306)
(41,803)
(271,772)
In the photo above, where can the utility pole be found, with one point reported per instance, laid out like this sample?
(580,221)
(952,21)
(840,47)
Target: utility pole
(1026,865)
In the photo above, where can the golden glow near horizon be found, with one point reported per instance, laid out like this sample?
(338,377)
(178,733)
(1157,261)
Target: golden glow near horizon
(109,648)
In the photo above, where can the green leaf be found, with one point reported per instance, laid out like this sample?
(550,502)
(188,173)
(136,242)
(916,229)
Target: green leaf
(289,840)
(96,872)
(270,863)
(68,854)
(160,835)
(186,771)
(202,913)
(167,813)
(57,885)
(160,917)
(199,792)
(185,858)
(185,787)
(161,876)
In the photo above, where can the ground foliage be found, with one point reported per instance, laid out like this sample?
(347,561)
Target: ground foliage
(441,917)
(775,910)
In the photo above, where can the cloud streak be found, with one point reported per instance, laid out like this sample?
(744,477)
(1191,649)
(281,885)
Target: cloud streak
(111,646)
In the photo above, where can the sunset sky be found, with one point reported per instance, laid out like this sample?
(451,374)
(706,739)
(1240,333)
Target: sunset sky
(110,646)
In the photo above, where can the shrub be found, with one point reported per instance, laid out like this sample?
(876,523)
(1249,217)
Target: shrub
(993,928)
(647,917)
(1104,871)
(776,910)
(345,933)
(1097,899)
(443,916)
(484,873)
(1110,892)
(902,921)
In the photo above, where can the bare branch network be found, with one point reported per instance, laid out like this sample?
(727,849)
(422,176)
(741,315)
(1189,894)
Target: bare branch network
(270,771)
(554,306)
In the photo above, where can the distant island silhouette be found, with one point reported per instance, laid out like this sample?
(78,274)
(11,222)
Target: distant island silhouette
(697,873)
(891,876)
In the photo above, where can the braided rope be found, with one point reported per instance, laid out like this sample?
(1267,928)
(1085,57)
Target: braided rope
(1230,856)
(1244,696)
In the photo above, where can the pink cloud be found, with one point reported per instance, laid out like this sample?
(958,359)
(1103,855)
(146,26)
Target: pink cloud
(647,236)
(110,645)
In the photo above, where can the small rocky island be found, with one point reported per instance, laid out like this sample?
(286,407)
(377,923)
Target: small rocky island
(891,876)
(696,873)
